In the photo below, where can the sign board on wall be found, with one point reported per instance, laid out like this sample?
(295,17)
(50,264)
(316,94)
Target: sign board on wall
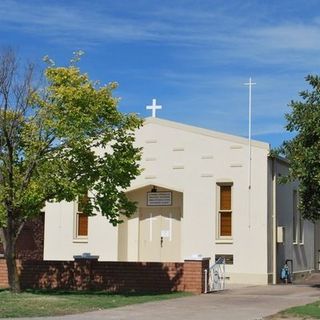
(160,198)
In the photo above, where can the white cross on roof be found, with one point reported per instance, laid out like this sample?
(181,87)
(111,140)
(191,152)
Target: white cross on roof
(154,107)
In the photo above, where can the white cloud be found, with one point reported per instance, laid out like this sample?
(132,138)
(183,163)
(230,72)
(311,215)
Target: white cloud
(290,37)
(221,33)
(269,129)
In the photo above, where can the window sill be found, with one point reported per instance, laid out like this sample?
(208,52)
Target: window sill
(80,240)
(221,241)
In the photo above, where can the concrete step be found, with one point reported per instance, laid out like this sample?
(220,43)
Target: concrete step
(310,279)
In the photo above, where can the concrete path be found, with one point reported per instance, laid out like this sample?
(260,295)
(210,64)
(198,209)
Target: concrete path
(247,303)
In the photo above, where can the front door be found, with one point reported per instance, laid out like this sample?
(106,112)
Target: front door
(159,237)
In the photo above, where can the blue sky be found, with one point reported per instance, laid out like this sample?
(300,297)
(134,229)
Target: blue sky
(192,55)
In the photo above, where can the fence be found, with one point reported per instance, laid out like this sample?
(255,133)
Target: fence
(152,277)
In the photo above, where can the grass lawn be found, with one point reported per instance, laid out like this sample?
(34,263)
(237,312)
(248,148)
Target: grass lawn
(308,311)
(311,310)
(42,303)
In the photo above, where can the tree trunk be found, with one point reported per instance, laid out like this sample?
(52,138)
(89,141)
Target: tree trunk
(13,273)
(9,235)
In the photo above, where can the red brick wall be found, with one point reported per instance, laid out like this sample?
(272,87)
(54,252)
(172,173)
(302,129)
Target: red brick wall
(3,274)
(111,276)
(30,241)
(194,275)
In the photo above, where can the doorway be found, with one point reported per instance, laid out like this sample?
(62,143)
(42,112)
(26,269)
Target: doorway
(159,234)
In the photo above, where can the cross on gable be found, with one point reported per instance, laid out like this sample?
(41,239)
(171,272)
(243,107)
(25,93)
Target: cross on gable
(151,218)
(154,107)
(169,219)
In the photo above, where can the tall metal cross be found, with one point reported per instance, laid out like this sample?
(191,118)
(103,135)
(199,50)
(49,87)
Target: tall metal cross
(154,107)
(249,84)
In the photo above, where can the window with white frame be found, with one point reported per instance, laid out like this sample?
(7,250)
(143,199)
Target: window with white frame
(295,217)
(224,197)
(301,230)
(297,222)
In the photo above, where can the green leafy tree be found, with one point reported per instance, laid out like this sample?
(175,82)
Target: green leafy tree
(303,151)
(57,142)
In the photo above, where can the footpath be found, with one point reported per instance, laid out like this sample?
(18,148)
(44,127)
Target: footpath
(238,303)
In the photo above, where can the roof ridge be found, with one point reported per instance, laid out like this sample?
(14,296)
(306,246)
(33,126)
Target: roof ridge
(206,132)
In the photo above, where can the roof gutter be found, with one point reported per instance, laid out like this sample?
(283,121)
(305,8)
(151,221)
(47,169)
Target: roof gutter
(274,220)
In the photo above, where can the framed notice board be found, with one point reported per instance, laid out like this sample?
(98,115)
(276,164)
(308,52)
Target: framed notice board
(159,198)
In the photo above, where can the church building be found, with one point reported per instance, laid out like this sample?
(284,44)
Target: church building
(198,196)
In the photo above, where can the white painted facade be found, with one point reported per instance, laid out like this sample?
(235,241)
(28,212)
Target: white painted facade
(192,163)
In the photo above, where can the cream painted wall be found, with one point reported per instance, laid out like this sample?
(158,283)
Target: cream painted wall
(59,237)
(190,161)
(193,162)
(123,240)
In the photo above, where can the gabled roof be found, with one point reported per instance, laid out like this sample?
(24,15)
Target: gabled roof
(205,132)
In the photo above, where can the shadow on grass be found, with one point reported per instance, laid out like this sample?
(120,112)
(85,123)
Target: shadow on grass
(99,293)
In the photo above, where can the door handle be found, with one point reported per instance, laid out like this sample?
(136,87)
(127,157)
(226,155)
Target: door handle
(161,242)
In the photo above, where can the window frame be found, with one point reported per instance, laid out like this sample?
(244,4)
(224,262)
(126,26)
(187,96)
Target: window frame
(297,221)
(295,217)
(219,210)
(77,213)
(301,230)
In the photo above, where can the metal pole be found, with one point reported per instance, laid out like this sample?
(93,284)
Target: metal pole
(250,84)
(205,281)
(249,178)
(274,220)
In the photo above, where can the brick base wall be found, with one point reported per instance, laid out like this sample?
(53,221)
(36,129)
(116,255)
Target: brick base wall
(112,276)
(194,275)
(31,240)
(3,274)
(29,244)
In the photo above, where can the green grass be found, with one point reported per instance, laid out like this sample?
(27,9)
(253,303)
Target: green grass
(311,310)
(41,303)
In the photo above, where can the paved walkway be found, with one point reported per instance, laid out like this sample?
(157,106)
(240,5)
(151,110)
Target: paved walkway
(247,303)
